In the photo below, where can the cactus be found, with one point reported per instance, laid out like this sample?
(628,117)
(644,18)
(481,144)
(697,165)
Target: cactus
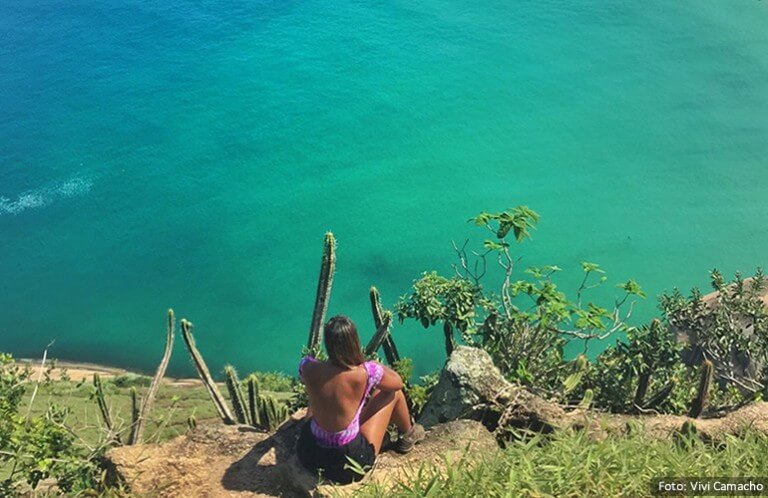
(205,374)
(572,382)
(686,435)
(253,399)
(236,395)
(134,413)
(149,398)
(642,388)
(390,349)
(324,284)
(382,332)
(191,423)
(271,412)
(581,362)
(586,400)
(705,381)
(660,396)
(103,408)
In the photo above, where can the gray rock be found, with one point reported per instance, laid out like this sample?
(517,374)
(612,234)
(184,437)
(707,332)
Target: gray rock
(472,387)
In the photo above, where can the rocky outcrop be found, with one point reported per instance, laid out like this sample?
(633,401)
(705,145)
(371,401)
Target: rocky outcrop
(217,460)
(472,387)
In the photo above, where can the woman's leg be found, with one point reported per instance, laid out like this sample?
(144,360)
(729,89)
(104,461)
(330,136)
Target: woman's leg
(382,408)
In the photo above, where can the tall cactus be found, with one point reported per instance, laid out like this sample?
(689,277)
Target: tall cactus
(149,398)
(381,334)
(659,397)
(134,413)
(702,393)
(236,395)
(390,349)
(205,374)
(103,408)
(271,412)
(324,284)
(642,388)
(253,399)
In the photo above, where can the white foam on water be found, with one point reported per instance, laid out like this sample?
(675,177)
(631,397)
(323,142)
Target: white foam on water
(43,196)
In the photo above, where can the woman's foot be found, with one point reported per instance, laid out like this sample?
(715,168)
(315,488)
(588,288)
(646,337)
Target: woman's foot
(407,441)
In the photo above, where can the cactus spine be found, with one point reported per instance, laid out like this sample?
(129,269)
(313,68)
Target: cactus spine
(324,284)
(149,398)
(236,395)
(381,334)
(702,393)
(390,350)
(205,374)
(253,400)
(103,408)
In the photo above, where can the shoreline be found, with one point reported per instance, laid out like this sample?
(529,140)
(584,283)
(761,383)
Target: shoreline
(78,370)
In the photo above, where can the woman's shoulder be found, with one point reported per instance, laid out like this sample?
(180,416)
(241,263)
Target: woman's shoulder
(304,362)
(375,371)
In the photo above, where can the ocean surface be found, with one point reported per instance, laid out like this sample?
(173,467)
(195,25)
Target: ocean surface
(191,154)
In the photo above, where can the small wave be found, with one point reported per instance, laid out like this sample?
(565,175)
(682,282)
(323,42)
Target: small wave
(43,196)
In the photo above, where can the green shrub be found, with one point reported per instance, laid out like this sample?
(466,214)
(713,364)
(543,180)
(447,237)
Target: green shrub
(275,381)
(37,447)
(130,380)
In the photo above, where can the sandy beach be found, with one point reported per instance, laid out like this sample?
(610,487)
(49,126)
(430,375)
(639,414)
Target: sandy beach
(77,371)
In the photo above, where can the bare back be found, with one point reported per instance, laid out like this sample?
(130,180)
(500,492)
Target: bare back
(334,393)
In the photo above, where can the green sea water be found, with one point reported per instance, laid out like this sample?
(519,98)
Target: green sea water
(192,155)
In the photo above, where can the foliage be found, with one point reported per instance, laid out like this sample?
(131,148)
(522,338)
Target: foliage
(274,381)
(439,299)
(130,380)
(649,352)
(570,464)
(526,324)
(37,447)
(732,331)
(416,393)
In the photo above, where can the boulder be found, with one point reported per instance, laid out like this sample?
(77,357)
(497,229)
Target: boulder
(472,387)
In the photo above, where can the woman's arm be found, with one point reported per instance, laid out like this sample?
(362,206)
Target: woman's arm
(390,381)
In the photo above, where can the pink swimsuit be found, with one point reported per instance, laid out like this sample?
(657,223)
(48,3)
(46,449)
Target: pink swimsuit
(337,439)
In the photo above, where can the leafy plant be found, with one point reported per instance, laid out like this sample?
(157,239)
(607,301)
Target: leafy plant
(729,328)
(630,374)
(526,323)
(34,448)
(416,393)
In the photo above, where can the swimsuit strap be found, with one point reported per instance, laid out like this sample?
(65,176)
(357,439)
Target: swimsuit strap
(303,362)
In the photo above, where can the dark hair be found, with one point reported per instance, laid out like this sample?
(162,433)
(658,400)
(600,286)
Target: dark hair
(342,342)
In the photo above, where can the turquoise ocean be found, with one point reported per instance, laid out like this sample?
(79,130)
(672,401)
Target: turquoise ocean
(192,155)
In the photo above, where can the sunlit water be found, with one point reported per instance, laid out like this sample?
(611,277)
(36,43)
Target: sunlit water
(192,154)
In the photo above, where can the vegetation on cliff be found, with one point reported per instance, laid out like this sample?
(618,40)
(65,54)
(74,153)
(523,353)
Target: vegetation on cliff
(523,322)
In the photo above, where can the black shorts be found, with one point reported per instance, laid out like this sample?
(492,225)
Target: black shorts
(334,463)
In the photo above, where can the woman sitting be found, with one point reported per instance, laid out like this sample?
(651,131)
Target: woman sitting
(351,404)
